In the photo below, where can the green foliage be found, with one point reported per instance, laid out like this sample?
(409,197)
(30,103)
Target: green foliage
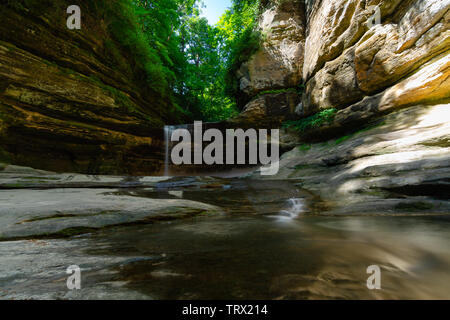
(414,206)
(312,122)
(277,91)
(244,47)
(28,5)
(305,147)
(168,47)
(191,51)
(241,40)
(343,139)
(146,60)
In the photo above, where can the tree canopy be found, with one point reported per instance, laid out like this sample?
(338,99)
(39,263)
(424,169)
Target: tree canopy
(198,60)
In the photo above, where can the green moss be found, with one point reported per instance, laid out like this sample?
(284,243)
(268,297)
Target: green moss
(67,215)
(66,233)
(243,49)
(301,167)
(440,143)
(305,147)
(277,91)
(300,88)
(41,178)
(313,122)
(14,186)
(414,206)
(368,128)
(344,138)
(70,232)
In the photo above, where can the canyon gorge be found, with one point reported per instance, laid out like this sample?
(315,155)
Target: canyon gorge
(360,90)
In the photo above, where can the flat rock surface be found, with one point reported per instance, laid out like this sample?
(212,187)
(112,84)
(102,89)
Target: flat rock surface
(16,177)
(34,213)
(398,165)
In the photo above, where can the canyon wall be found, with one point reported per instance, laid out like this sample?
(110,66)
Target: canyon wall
(361,58)
(271,79)
(372,127)
(72,100)
(363,67)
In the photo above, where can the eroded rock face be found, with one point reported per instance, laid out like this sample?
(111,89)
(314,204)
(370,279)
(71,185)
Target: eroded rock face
(400,164)
(83,112)
(279,62)
(353,52)
(349,55)
(267,110)
(385,67)
(277,65)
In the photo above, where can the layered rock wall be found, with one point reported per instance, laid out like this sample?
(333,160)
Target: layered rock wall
(271,78)
(69,99)
(394,52)
(383,69)
(362,58)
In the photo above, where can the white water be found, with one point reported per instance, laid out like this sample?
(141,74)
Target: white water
(167,134)
(168,130)
(296,207)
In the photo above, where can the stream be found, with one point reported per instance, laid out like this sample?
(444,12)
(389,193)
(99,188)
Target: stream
(269,242)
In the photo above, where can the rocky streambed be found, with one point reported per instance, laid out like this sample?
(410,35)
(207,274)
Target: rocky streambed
(207,238)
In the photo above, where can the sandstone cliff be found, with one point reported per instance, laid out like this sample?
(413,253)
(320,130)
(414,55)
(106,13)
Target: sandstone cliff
(373,121)
(73,100)
(270,79)
(347,59)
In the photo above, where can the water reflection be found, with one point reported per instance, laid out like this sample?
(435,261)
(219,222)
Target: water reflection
(246,254)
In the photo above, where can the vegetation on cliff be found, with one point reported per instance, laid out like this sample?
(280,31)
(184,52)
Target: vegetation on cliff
(169,48)
(95,99)
(199,59)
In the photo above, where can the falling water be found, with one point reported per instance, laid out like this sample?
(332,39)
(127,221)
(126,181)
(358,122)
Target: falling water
(168,131)
(296,207)
(167,134)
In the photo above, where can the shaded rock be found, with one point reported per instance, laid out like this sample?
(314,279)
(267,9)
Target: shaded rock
(333,86)
(64,212)
(279,61)
(267,111)
(15,177)
(345,60)
(391,167)
(86,110)
(36,270)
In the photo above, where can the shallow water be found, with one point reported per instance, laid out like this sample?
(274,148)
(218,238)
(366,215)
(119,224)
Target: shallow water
(269,242)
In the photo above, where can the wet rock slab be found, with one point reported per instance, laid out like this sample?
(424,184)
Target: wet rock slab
(34,213)
(16,177)
(37,270)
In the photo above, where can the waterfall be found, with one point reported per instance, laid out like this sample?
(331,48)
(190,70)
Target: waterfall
(295,208)
(167,135)
(168,131)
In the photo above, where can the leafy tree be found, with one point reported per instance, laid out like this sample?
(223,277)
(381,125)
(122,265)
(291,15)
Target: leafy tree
(198,60)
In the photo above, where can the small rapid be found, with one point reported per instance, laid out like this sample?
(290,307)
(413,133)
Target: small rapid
(296,206)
